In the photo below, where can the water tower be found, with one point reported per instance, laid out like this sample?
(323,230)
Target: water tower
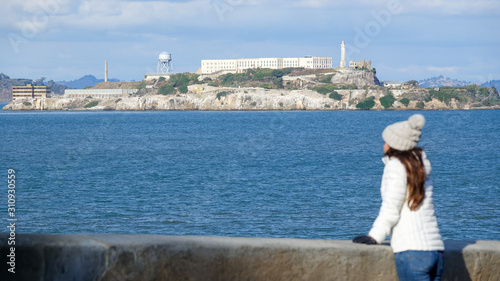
(164,63)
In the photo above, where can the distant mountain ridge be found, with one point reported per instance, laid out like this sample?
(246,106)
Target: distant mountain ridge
(440,81)
(57,88)
(492,83)
(85,81)
(6,84)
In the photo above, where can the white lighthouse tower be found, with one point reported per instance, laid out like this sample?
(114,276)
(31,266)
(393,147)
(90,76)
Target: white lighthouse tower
(342,55)
(164,63)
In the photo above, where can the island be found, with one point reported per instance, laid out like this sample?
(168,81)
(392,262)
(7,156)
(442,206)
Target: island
(266,89)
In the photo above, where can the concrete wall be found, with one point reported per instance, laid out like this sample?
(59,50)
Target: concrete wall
(149,257)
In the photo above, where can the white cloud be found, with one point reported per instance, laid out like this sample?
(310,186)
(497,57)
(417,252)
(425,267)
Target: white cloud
(416,46)
(454,7)
(96,14)
(312,3)
(101,15)
(443,7)
(49,7)
(443,69)
(29,15)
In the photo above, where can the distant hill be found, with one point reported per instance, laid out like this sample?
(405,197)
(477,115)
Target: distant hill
(6,84)
(440,81)
(495,83)
(85,81)
(56,88)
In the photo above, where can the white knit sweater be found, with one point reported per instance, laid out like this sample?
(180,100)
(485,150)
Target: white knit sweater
(409,230)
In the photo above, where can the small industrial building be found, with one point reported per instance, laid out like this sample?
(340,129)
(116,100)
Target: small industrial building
(240,65)
(29,92)
(99,93)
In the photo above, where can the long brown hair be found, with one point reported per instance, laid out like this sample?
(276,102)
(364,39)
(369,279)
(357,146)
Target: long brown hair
(415,174)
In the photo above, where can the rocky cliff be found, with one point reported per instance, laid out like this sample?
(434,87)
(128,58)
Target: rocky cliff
(227,99)
(230,99)
(356,77)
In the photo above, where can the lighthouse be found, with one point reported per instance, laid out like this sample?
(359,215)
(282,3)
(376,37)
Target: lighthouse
(106,71)
(342,55)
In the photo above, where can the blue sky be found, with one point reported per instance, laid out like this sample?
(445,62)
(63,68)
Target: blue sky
(66,39)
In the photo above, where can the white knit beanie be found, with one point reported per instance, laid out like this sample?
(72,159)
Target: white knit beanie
(404,135)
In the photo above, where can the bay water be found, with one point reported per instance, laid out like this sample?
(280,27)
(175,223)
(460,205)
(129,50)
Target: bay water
(298,174)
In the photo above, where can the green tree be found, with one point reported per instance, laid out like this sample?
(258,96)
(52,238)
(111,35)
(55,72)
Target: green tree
(405,101)
(179,79)
(494,90)
(483,91)
(366,104)
(490,102)
(221,94)
(420,105)
(473,88)
(278,82)
(194,78)
(414,83)
(228,79)
(166,90)
(91,104)
(183,88)
(324,89)
(349,87)
(326,78)
(387,101)
(141,85)
(335,95)
(278,73)
(262,73)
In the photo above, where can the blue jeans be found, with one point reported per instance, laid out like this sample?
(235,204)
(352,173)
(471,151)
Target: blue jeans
(419,265)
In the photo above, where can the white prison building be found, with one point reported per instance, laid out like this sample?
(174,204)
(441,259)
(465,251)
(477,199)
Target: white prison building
(240,65)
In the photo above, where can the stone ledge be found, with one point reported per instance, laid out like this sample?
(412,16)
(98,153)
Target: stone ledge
(154,257)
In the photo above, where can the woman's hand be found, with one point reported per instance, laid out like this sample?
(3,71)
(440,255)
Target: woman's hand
(366,239)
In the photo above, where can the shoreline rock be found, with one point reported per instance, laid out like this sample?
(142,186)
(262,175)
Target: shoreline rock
(233,99)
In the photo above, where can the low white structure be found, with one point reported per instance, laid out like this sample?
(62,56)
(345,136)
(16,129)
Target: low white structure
(240,65)
(156,76)
(360,64)
(392,84)
(98,93)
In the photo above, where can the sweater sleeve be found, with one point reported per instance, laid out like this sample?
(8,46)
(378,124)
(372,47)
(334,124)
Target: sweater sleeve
(393,191)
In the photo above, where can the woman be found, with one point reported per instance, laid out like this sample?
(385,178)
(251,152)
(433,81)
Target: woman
(407,211)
